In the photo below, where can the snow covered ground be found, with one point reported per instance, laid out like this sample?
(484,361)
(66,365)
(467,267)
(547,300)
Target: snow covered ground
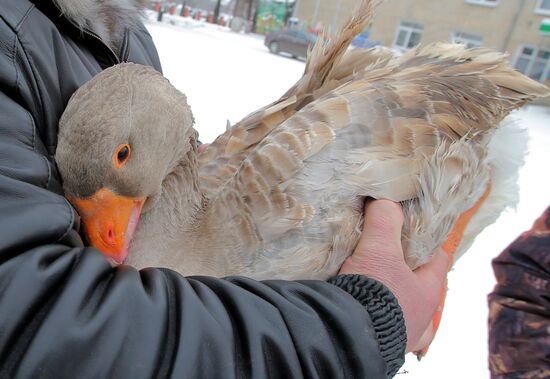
(227,75)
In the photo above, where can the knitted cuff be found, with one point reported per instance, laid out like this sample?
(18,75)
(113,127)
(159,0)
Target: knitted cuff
(385,313)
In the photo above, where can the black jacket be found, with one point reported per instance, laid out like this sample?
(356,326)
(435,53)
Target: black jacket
(65,313)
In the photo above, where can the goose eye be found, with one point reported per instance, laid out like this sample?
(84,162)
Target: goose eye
(122,155)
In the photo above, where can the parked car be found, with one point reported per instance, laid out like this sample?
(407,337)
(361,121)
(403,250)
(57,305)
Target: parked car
(293,42)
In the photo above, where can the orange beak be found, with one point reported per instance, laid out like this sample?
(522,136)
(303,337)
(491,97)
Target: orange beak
(109,221)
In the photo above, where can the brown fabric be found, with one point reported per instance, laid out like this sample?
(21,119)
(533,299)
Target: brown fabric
(519,316)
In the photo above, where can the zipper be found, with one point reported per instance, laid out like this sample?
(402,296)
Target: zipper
(97,38)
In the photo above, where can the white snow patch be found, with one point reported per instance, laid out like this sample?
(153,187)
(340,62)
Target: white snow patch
(225,75)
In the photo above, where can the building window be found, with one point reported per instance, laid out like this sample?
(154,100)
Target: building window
(543,7)
(487,3)
(468,39)
(408,35)
(533,62)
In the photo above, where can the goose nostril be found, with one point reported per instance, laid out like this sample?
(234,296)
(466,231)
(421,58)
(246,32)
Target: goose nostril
(110,235)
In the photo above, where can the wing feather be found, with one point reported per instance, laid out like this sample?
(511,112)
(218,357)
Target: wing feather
(411,125)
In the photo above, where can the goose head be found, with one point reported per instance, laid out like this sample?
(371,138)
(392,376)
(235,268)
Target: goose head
(121,135)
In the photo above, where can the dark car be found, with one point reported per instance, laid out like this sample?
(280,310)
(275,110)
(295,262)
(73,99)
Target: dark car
(293,42)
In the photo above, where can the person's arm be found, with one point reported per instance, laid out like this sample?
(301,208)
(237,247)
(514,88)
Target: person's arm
(519,306)
(66,313)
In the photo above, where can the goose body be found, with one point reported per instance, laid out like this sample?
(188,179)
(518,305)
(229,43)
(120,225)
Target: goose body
(280,194)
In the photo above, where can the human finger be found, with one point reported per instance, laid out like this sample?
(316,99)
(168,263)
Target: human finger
(382,229)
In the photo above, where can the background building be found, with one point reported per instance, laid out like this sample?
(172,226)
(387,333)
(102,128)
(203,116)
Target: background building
(319,14)
(519,27)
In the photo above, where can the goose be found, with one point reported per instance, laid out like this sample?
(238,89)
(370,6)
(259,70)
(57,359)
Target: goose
(280,194)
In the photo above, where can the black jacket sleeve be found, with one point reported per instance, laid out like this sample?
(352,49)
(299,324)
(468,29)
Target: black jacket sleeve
(66,313)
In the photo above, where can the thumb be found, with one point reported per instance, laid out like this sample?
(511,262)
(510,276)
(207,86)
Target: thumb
(382,229)
(379,249)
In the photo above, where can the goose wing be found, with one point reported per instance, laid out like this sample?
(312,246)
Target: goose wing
(413,127)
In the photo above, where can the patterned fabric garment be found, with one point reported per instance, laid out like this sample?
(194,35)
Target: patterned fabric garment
(519,317)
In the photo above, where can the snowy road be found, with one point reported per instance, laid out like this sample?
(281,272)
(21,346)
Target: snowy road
(226,76)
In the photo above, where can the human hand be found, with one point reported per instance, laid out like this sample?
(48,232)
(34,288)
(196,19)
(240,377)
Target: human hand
(379,255)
